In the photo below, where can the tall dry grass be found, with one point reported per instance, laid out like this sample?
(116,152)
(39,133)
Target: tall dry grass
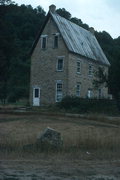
(78,134)
(88,139)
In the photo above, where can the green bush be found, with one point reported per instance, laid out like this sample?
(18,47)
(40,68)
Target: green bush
(80,105)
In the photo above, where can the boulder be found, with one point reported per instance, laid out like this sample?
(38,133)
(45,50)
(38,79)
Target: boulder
(50,138)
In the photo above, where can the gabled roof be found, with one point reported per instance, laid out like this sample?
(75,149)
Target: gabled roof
(77,39)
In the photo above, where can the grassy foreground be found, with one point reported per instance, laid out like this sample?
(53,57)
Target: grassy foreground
(92,137)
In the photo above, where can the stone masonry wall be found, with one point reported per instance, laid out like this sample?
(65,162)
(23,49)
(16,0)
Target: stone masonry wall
(83,77)
(43,66)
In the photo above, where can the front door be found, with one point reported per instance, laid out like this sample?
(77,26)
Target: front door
(36,96)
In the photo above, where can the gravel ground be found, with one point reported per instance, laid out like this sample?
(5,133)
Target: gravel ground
(59,170)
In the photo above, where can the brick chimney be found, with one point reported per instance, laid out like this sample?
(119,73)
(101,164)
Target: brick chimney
(52,8)
(92,30)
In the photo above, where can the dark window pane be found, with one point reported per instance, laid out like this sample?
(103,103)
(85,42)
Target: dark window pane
(36,93)
(60,64)
(44,43)
(55,41)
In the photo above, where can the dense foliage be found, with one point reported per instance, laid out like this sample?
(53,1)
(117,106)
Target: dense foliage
(18,29)
(80,105)
(19,26)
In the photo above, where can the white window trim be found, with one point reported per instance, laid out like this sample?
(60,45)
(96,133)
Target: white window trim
(58,81)
(78,60)
(60,57)
(90,95)
(43,36)
(34,92)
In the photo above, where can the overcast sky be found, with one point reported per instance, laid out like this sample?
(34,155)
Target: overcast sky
(100,14)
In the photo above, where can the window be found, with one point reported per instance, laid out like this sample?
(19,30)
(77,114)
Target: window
(78,89)
(44,41)
(60,64)
(59,92)
(36,92)
(99,93)
(90,70)
(89,93)
(78,66)
(56,41)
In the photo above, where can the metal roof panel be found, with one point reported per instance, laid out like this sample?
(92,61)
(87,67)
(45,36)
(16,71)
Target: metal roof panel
(79,40)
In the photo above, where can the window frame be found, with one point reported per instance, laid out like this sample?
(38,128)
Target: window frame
(44,37)
(90,71)
(90,93)
(55,45)
(57,64)
(78,90)
(59,94)
(78,61)
(100,93)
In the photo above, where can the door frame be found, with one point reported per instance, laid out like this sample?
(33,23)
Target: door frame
(39,93)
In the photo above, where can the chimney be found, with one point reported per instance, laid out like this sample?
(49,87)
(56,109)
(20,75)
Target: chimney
(52,8)
(92,30)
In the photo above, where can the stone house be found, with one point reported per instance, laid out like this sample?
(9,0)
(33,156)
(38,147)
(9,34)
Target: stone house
(64,58)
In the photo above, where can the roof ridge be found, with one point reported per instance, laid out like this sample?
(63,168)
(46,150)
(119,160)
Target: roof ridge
(72,23)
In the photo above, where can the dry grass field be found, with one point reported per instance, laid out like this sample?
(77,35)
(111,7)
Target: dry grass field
(91,147)
(85,134)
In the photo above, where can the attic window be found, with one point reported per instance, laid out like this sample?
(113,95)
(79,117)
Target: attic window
(56,37)
(44,41)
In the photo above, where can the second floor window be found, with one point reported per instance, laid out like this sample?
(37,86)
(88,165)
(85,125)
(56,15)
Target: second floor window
(78,67)
(44,42)
(90,70)
(60,64)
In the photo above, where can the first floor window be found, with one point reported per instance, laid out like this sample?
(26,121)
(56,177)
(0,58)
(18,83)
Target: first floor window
(59,91)
(78,89)
(89,93)
(100,93)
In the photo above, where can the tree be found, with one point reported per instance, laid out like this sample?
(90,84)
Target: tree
(62,12)
(18,28)
(6,2)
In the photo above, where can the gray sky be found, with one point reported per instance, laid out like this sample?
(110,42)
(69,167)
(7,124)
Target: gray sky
(100,14)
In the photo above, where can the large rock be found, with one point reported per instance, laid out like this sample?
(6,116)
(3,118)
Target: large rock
(50,138)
